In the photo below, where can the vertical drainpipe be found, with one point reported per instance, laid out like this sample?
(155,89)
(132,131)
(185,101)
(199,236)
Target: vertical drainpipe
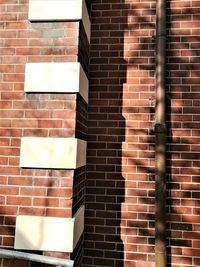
(160,136)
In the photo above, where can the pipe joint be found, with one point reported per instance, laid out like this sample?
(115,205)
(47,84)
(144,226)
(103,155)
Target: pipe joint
(160,128)
(154,38)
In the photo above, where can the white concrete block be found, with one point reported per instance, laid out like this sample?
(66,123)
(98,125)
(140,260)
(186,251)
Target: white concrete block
(49,233)
(48,152)
(56,77)
(47,10)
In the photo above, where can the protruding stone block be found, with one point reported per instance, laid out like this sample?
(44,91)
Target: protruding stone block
(49,233)
(50,10)
(56,77)
(47,152)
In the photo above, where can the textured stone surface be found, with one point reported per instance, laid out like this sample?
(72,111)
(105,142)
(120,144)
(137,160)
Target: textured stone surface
(47,10)
(56,77)
(49,233)
(44,152)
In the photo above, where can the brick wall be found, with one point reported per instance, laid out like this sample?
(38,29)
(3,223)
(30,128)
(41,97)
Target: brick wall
(183,119)
(120,187)
(120,178)
(35,191)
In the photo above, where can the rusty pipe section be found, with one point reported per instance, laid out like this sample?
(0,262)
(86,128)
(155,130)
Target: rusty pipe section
(160,136)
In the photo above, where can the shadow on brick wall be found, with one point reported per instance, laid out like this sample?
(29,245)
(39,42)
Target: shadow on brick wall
(106,132)
(119,227)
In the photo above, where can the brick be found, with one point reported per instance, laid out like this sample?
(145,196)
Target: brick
(22,201)
(8,210)
(18,180)
(32,191)
(27,51)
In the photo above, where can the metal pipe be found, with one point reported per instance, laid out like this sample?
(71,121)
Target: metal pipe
(13,254)
(160,136)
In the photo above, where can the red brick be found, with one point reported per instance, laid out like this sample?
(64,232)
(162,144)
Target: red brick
(35,211)
(25,191)
(27,51)
(18,201)
(18,180)
(59,212)
(53,202)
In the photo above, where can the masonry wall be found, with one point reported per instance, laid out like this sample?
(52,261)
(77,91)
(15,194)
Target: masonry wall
(34,191)
(120,186)
(120,179)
